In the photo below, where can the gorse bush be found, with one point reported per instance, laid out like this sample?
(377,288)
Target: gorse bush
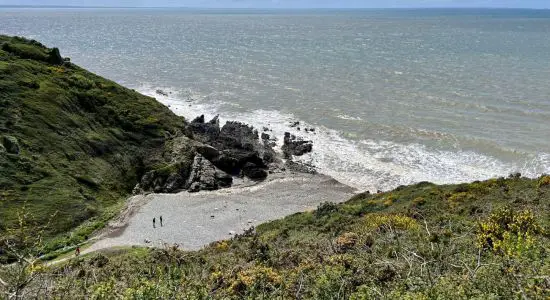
(361,249)
(509,232)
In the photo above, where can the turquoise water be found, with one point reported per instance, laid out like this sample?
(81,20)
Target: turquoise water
(396,96)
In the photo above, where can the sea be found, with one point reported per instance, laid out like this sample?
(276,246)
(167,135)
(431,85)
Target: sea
(395,96)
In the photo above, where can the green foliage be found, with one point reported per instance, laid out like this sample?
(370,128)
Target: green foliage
(78,143)
(361,249)
(508,232)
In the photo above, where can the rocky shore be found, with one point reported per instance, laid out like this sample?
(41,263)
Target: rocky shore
(209,157)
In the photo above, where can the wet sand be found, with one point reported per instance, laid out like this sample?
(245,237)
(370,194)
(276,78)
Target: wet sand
(194,220)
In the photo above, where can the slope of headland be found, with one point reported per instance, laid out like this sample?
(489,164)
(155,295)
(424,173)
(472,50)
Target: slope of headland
(74,145)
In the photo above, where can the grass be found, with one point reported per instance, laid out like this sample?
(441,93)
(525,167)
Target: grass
(84,141)
(483,240)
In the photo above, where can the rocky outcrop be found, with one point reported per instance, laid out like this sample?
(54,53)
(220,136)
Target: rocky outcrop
(293,146)
(205,176)
(216,154)
(161,92)
(10,144)
(208,151)
(169,179)
(205,132)
(235,148)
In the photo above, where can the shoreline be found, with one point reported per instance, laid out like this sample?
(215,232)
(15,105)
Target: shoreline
(194,220)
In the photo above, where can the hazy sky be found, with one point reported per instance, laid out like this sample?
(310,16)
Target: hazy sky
(290,3)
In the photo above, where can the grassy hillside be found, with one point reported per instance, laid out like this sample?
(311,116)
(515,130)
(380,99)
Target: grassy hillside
(72,144)
(484,240)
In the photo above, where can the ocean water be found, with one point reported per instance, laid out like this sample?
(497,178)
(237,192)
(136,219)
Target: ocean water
(395,96)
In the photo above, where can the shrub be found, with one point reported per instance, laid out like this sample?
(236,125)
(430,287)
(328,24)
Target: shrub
(261,278)
(460,197)
(508,232)
(387,221)
(544,181)
(347,241)
(326,208)
(419,201)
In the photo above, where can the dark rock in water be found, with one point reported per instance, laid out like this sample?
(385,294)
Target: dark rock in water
(205,176)
(11,144)
(265,129)
(265,136)
(161,92)
(254,171)
(294,124)
(293,146)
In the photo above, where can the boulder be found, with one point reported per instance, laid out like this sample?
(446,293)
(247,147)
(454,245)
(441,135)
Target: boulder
(254,171)
(168,179)
(161,92)
(205,176)
(54,57)
(173,183)
(300,167)
(11,144)
(237,135)
(293,146)
(207,151)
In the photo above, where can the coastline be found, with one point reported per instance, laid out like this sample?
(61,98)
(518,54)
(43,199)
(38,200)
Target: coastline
(194,220)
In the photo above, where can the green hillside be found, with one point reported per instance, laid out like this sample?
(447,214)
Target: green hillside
(484,240)
(72,144)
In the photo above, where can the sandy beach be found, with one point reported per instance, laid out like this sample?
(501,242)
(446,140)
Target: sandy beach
(193,220)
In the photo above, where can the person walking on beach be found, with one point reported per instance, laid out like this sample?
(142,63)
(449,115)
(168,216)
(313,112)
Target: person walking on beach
(160,221)
(154,223)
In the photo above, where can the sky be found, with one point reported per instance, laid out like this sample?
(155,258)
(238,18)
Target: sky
(290,3)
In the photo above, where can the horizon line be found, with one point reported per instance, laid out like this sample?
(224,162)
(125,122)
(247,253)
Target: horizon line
(272,8)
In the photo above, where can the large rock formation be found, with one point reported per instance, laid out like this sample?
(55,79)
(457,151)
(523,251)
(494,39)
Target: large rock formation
(205,176)
(235,148)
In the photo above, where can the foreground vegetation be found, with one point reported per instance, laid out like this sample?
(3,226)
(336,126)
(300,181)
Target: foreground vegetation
(483,240)
(72,144)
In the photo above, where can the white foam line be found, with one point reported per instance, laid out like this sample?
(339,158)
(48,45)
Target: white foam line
(367,164)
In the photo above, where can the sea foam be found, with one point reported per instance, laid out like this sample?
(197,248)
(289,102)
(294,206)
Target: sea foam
(363,164)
